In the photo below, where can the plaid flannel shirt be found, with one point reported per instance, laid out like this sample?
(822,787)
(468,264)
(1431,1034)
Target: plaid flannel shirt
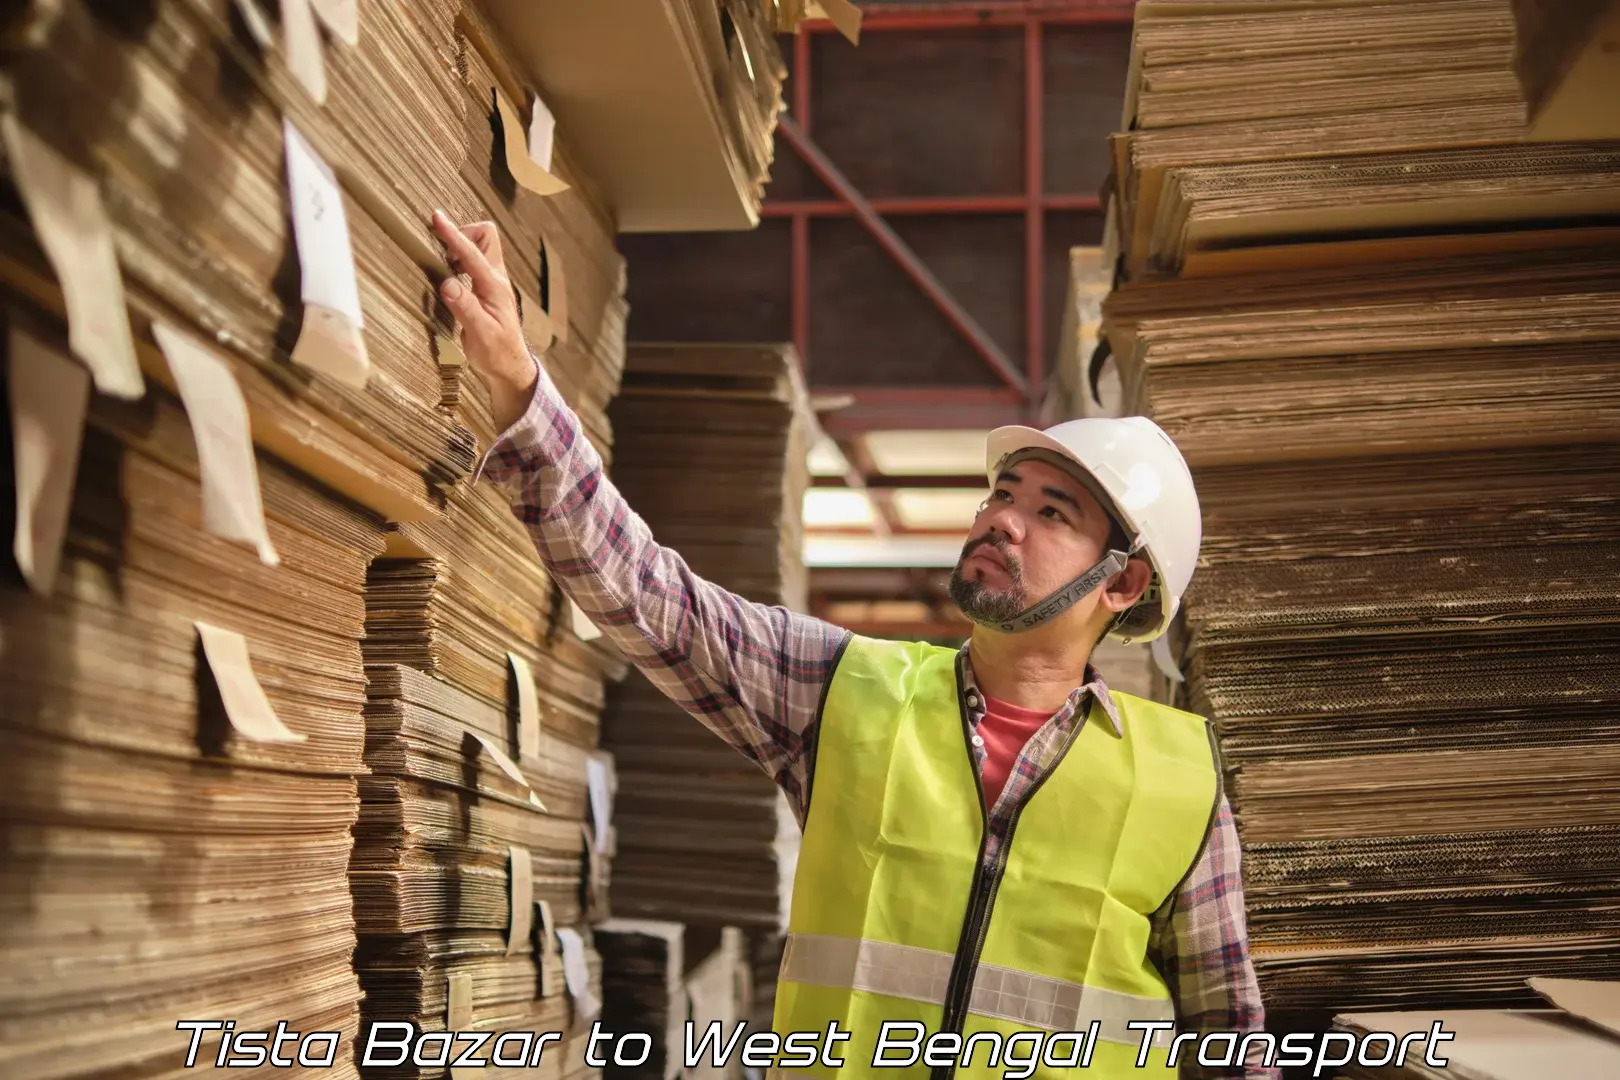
(754,673)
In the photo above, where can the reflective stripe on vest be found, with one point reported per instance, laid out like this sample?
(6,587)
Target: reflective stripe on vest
(901,916)
(903,971)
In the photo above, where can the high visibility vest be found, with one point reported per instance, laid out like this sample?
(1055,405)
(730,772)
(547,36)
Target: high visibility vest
(898,919)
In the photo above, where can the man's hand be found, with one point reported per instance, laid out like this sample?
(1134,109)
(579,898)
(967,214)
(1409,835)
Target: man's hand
(481,298)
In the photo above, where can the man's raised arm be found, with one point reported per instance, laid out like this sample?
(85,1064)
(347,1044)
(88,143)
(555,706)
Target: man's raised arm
(750,672)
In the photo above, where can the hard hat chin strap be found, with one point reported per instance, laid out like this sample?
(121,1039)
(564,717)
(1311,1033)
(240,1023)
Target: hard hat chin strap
(1063,599)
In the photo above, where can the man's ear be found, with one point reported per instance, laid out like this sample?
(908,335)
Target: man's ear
(1126,587)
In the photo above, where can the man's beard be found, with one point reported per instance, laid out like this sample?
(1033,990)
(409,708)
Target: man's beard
(982,604)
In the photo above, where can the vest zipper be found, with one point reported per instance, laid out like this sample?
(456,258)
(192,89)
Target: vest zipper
(986,883)
(975,923)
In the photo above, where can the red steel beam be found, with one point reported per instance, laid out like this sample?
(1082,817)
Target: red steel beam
(1034,223)
(933,204)
(880,408)
(967,16)
(1091,203)
(800,300)
(901,252)
(886,522)
(924,396)
(801,290)
(857,419)
(882,500)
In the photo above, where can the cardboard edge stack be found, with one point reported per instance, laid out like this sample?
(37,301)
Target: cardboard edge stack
(235,407)
(1375,305)
(714,456)
(301,728)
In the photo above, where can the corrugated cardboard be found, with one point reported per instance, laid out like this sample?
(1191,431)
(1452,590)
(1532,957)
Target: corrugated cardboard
(1488,1045)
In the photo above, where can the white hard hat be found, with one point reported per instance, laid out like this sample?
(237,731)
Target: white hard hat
(1149,487)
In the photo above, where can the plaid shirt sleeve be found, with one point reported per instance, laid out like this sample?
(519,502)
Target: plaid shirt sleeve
(751,673)
(1202,948)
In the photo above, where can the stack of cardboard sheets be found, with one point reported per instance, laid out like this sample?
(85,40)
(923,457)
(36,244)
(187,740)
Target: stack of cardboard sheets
(712,455)
(1417,356)
(195,181)
(1572,1033)
(480,824)
(718,988)
(234,810)
(643,990)
(1413,694)
(734,46)
(1363,120)
(686,989)
(184,730)
(1379,329)
(485,830)
(751,93)
(729,425)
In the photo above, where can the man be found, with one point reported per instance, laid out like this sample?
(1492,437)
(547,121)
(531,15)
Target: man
(1119,908)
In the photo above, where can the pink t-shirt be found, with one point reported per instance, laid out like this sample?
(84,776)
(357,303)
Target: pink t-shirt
(1005,729)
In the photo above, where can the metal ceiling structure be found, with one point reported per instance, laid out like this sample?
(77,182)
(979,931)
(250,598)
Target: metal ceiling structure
(1019,400)
(898,586)
(927,188)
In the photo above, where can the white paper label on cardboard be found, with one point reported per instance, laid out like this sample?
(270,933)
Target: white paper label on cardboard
(506,764)
(458,995)
(232,505)
(577,974)
(332,345)
(542,130)
(50,395)
(342,17)
(305,59)
(520,897)
(548,928)
(528,707)
(515,149)
(599,783)
(257,23)
(584,629)
(64,204)
(595,868)
(458,1016)
(325,257)
(330,339)
(246,705)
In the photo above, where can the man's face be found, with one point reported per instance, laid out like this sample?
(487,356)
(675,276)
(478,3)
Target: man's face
(1039,530)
